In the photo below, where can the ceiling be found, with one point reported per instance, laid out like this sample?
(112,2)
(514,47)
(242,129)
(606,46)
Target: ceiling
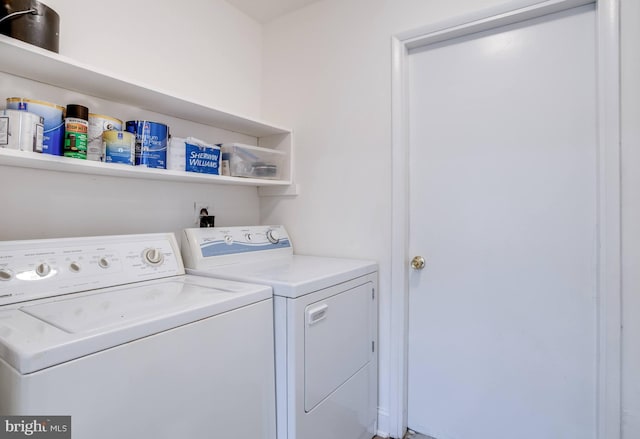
(266,10)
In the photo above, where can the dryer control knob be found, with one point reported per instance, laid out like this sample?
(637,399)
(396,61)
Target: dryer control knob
(248,236)
(103,263)
(74,267)
(273,236)
(228,239)
(43,269)
(153,256)
(5,274)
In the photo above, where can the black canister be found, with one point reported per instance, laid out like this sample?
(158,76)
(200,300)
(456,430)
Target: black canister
(76,129)
(30,21)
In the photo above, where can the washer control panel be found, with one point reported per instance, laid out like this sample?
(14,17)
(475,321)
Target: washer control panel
(36,269)
(214,246)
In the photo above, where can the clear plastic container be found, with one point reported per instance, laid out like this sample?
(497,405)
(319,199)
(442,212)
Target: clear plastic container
(253,161)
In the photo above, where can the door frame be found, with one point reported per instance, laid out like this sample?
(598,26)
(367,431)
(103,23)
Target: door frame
(609,270)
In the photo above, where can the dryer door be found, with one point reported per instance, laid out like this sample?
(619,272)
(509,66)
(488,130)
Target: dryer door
(337,341)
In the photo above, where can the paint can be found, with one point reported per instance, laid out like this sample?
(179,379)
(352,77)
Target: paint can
(53,115)
(119,147)
(21,130)
(151,142)
(98,124)
(76,128)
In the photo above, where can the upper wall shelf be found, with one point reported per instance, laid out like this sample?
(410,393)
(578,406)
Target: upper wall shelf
(31,62)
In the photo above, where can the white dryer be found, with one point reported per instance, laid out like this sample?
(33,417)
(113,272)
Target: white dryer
(110,331)
(325,320)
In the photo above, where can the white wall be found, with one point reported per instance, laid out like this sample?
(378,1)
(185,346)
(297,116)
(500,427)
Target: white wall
(201,50)
(327,73)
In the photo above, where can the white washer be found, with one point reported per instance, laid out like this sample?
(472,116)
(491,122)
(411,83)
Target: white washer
(326,326)
(112,332)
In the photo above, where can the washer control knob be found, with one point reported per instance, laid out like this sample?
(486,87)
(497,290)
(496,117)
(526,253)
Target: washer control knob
(43,269)
(153,256)
(103,263)
(74,267)
(273,236)
(249,236)
(5,274)
(228,239)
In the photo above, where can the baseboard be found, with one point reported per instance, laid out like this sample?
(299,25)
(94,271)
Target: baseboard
(383,423)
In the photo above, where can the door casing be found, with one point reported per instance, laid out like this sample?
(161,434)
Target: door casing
(609,300)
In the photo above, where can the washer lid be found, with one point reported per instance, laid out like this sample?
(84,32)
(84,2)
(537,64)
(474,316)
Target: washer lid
(293,276)
(33,337)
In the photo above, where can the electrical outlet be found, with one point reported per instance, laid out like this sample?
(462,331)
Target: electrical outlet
(198,206)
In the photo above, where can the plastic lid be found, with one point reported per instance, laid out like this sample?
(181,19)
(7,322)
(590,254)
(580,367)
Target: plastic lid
(77,111)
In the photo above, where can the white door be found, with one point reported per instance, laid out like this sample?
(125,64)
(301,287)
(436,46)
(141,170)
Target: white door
(502,319)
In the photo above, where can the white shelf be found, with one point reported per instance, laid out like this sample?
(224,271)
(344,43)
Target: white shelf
(33,63)
(33,160)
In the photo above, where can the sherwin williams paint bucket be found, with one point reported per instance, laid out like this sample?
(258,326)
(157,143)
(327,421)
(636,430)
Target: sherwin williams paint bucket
(21,130)
(98,124)
(53,115)
(193,155)
(151,142)
(202,157)
(119,147)
(76,129)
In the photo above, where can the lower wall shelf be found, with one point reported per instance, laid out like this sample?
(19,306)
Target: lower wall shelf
(22,159)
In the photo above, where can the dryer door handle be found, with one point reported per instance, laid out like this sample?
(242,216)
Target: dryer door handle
(316,314)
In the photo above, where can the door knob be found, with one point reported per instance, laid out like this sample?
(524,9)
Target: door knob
(417,263)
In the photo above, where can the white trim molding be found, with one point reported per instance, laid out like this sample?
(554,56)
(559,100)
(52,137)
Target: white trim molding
(609,318)
(398,350)
(610,245)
